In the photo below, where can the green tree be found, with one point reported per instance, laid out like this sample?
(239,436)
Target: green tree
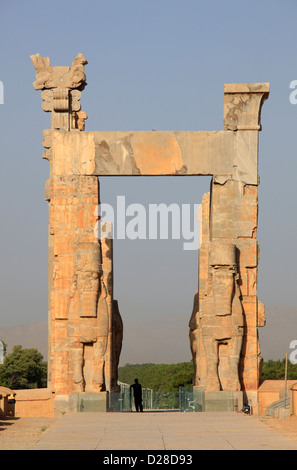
(275,370)
(159,377)
(23,369)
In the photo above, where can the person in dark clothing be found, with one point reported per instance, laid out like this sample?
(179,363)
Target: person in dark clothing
(137,392)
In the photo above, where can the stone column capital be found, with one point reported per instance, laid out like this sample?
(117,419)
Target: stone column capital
(61,91)
(242,105)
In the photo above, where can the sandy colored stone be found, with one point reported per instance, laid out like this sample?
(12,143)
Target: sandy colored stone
(242,105)
(86,329)
(61,91)
(107,153)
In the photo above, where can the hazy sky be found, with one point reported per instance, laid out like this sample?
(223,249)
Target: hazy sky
(156,64)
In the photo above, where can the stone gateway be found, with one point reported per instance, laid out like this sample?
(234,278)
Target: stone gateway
(85,326)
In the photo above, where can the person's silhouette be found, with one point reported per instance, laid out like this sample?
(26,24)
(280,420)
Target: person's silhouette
(137,392)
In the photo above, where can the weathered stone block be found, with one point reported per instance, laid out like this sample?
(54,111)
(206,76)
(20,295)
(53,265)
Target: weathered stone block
(86,328)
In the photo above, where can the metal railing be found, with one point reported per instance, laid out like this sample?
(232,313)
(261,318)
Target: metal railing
(122,401)
(274,408)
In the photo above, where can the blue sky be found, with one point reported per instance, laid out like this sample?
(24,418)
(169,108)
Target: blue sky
(151,65)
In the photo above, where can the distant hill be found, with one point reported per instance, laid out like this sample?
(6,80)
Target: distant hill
(157,340)
(165,339)
(31,335)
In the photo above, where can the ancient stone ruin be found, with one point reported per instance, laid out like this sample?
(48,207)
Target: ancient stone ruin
(85,326)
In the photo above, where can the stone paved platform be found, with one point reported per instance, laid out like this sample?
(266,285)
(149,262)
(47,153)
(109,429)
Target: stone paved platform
(164,431)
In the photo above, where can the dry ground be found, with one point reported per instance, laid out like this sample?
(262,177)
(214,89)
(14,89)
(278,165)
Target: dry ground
(21,433)
(286,426)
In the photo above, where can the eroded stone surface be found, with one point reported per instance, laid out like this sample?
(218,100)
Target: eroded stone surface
(106,153)
(224,338)
(86,328)
(61,91)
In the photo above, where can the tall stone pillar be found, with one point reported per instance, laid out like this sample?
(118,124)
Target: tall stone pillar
(226,311)
(81,354)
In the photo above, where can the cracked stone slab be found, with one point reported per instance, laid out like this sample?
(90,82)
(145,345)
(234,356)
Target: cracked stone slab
(228,155)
